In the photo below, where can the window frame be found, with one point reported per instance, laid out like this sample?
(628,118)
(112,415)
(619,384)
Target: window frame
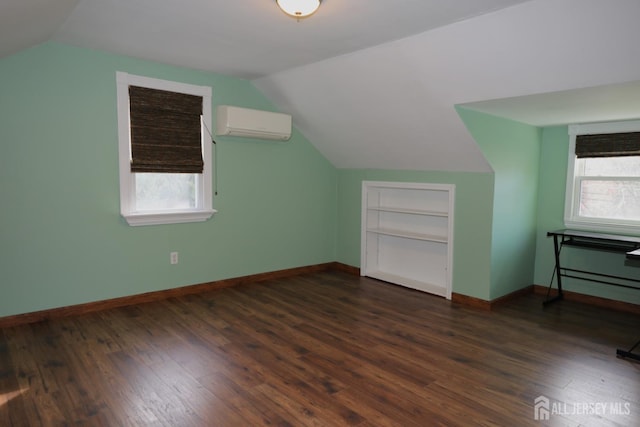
(204,194)
(572,219)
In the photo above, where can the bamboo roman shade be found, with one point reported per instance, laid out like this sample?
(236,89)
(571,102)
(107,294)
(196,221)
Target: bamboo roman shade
(608,145)
(165,131)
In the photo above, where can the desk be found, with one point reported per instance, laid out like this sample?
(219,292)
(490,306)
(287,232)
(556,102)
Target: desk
(627,245)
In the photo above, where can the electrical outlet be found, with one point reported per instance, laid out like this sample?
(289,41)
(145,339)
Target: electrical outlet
(173,257)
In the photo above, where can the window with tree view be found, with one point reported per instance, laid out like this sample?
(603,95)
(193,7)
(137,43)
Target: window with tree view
(603,184)
(165,191)
(165,154)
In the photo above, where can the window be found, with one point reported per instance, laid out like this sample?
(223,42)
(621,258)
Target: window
(165,152)
(603,177)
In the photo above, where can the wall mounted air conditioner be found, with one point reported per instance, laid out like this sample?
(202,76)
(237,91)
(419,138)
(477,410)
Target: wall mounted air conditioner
(237,121)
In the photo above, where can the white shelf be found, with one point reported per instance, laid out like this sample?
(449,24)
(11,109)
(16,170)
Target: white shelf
(408,211)
(408,234)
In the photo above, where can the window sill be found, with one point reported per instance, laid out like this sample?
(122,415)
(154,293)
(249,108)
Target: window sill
(603,227)
(137,219)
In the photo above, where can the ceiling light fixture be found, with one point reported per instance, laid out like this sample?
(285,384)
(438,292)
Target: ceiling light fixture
(299,8)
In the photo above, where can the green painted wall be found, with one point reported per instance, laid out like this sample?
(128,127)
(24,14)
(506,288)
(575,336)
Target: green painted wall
(472,222)
(513,151)
(62,240)
(281,205)
(553,175)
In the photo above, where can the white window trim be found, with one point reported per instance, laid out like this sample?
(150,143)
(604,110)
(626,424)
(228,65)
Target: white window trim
(571,219)
(204,210)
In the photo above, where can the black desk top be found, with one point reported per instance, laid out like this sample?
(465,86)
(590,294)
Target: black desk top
(614,242)
(594,235)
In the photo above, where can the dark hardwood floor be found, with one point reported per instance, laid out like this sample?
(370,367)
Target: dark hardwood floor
(325,349)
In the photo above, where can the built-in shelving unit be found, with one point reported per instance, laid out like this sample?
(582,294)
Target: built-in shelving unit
(407,234)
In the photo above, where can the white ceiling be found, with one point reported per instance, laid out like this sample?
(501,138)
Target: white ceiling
(24,23)
(374,84)
(253,38)
(542,62)
(586,105)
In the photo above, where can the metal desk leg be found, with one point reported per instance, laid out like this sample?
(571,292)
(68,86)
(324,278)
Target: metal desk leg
(556,248)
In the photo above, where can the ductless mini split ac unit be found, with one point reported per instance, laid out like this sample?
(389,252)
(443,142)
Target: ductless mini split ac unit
(249,123)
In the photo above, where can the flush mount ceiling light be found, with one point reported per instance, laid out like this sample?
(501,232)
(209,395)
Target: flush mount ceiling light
(299,8)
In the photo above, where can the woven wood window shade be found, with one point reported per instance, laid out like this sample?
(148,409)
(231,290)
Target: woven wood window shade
(165,131)
(608,145)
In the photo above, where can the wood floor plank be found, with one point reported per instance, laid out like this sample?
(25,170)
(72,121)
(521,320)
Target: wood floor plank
(321,349)
(254,410)
(12,410)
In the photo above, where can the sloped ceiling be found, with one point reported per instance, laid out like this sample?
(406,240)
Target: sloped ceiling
(392,105)
(374,84)
(24,23)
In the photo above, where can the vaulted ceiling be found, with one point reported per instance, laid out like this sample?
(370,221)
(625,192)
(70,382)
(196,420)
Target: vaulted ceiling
(375,84)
